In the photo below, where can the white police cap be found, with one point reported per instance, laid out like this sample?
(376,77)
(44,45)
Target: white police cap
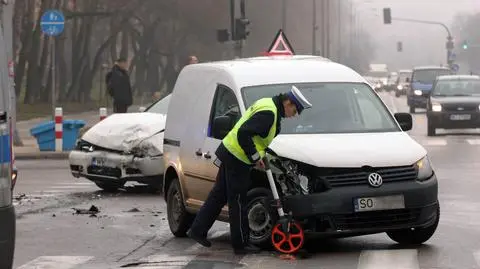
(300,101)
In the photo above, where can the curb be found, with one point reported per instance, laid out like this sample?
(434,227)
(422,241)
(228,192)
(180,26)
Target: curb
(42,156)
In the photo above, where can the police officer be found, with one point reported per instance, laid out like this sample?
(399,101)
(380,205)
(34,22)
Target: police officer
(241,149)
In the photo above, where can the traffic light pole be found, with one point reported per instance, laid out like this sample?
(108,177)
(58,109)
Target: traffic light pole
(449,43)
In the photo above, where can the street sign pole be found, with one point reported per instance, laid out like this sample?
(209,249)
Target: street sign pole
(54,94)
(52,24)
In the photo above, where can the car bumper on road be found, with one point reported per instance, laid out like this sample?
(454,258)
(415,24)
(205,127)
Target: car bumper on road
(454,120)
(7,236)
(332,212)
(125,167)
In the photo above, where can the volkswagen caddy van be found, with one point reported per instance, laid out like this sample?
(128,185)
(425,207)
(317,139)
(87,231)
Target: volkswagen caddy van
(344,167)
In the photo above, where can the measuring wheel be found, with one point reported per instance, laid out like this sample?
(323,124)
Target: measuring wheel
(290,241)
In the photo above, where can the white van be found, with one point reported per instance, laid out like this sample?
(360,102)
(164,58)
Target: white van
(345,167)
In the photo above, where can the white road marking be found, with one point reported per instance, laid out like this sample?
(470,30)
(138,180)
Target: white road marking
(434,142)
(392,259)
(476,255)
(473,141)
(166,261)
(56,262)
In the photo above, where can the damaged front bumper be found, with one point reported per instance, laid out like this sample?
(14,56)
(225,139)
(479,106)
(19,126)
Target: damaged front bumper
(108,165)
(333,212)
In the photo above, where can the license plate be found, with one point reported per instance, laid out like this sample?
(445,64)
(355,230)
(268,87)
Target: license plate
(379,203)
(460,117)
(99,161)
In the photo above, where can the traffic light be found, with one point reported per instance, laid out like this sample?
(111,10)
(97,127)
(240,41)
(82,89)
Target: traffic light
(399,46)
(223,35)
(241,29)
(387,16)
(465,45)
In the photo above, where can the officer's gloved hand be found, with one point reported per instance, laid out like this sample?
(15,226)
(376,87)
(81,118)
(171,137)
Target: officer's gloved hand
(260,164)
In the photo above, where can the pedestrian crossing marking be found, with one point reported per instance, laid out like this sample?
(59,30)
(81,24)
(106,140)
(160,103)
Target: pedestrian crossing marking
(473,141)
(392,259)
(56,262)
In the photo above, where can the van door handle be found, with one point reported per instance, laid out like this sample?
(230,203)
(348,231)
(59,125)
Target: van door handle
(207,155)
(199,152)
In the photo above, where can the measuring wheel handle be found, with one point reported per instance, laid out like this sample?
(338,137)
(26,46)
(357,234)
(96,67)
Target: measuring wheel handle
(290,240)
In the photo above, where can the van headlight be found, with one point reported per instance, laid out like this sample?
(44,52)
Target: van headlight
(424,169)
(418,92)
(399,87)
(436,107)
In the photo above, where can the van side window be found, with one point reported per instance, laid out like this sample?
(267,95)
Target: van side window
(224,104)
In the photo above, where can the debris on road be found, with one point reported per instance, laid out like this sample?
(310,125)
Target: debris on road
(134,210)
(93,211)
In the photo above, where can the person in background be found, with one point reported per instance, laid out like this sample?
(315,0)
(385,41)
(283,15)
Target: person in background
(192,59)
(119,86)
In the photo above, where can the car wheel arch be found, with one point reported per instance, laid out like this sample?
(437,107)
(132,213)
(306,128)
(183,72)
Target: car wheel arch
(169,175)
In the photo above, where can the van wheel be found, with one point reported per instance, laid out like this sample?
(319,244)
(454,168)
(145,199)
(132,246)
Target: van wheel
(415,236)
(109,186)
(412,109)
(261,216)
(430,128)
(179,220)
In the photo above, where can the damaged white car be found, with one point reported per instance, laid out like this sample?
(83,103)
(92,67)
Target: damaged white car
(123,147)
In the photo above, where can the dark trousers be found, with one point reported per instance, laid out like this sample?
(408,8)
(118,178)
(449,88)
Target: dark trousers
(230,187)
(119,108)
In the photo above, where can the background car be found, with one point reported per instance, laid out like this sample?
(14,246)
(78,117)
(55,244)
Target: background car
(123,147)
(454,103)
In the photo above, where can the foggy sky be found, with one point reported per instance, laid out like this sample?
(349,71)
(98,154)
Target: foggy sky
(422,44)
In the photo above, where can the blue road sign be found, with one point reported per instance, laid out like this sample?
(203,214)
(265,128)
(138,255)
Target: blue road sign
(52,22)
(455,67)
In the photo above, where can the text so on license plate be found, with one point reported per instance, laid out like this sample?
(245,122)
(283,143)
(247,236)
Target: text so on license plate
(460,117)
(379,203)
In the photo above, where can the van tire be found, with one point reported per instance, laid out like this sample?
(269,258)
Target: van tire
(431,130)
(180,224)
(258,198)
(417,236)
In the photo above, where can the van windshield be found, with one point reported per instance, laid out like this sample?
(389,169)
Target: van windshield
(428,76)
(336,108)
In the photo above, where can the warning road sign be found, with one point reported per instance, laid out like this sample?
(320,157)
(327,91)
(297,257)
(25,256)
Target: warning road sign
(280,45)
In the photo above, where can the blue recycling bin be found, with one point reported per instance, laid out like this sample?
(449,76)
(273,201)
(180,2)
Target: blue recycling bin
(45,134)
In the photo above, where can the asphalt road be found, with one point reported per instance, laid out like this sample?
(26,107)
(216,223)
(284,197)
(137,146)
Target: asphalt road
(131,228)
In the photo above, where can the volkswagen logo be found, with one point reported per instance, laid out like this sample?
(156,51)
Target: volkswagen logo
(460,108)
(375,180)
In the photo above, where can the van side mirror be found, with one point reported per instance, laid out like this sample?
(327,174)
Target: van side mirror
(221,126)
(405,121)
(407,80)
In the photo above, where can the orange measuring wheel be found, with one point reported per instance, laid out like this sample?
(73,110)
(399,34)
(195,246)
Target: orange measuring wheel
(288,243)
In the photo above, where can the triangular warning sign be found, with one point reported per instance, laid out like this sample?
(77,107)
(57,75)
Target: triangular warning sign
(280,45)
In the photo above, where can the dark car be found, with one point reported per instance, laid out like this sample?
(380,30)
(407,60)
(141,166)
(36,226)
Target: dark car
(454,103)
(421,85)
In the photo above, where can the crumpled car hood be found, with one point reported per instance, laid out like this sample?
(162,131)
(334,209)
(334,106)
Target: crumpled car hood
(127,132)
(349,150)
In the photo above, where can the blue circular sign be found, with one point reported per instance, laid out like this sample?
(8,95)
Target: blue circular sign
(52,22)
(455,67)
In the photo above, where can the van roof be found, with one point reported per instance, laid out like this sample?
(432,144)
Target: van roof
(429,67)
(281,69)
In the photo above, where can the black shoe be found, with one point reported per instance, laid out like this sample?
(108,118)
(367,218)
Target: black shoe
(248,249)
(201,240)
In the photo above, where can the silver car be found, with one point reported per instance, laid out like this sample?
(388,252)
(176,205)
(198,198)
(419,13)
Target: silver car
(123,147)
